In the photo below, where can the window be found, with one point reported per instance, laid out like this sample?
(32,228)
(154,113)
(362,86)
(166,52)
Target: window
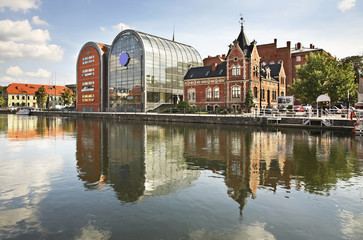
(206,74)
(236,92)
(272,62)
(208,93)
(282,80)
(282,93)
(88,72)
(263,94)
(216,93)
(88,59)
(191,95)
(298,58)
(238,73)
(255,71)
(234,71)
(255,92)
(220,71)
(88,98)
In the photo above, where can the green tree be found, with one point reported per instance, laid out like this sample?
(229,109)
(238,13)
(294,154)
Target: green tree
(2,101)
(41,96)
(67,96)
(323,74)
(183,104)
(357,63)
(249,100)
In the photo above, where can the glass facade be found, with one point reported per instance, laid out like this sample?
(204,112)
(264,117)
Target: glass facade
(154,75)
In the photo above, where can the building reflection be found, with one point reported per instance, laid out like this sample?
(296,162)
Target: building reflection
(138,161)
(141,161)
(22,128)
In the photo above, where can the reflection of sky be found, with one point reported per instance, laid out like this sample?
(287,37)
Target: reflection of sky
(26,172)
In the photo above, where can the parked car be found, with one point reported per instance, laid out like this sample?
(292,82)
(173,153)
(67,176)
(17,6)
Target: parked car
(298,108)
(269,110)
(282,109)
(307,107)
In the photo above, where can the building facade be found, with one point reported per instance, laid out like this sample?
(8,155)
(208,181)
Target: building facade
(146,71)
(224,80)
(23,95)
(92,78)
(290,56)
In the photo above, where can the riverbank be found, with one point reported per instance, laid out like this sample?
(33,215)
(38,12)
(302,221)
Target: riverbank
(332,122)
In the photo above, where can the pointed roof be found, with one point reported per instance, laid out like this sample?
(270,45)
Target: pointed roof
(243,42)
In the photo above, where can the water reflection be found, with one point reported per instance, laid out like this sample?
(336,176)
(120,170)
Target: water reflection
(66,178)
(140,161)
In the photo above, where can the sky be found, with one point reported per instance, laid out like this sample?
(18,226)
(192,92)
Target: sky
(41,39)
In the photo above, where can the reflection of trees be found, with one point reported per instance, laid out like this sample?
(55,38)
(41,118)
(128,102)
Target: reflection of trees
(322,165)
(2,124)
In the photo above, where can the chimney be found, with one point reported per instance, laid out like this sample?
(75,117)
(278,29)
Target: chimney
(224,56)
(275,42)
(298,45)
(288,44)
(311,46)
(214,66)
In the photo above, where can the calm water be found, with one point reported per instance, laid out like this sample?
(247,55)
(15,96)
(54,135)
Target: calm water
(88,179)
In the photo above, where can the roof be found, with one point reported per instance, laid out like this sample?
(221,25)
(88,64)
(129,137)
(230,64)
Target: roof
(243,43)
(207,72)
(30,89)
(275,70)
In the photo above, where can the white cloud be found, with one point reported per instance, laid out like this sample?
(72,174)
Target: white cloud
(103,29)
(346,5)
(121,26)
(15,71)
(22,31)
(37,21)
(19,40)
(19,5)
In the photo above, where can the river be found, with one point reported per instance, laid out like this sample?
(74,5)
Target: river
(68,178)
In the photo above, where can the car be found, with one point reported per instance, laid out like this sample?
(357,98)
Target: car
(282,109)
(307,107)
(269,110)
(298,108)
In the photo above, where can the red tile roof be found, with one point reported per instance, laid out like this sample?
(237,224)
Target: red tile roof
(30,89)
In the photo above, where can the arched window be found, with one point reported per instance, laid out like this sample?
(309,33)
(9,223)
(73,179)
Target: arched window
(216,93)
(282,93)
(282,80)
(238,73)
(208,93)
(272,62)
(234,71)
(236,92)
(191,95)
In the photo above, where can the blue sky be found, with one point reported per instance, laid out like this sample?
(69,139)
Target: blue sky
(40,39)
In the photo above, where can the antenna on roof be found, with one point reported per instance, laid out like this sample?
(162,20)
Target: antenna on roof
(173,33)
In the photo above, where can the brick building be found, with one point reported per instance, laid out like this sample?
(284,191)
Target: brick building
(223,81)
(290,56)
(92,79)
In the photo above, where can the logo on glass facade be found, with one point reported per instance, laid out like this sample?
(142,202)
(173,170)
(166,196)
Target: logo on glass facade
(124,59)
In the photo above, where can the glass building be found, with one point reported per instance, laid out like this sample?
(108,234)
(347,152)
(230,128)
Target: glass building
(146,71)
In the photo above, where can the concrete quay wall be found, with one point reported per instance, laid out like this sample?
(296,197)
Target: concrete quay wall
(249,120)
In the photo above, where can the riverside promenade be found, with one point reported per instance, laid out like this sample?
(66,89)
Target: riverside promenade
(295,120)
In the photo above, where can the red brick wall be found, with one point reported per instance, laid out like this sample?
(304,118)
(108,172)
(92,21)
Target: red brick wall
(95,104)
(269,52)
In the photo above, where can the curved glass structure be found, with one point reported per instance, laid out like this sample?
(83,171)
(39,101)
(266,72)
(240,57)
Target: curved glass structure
(152,76)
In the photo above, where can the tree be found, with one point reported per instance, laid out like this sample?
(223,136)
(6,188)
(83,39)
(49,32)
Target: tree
(67,96)
(357,63)
(2,101)
(323,74)
(41,96)
(249,100)
(183,104)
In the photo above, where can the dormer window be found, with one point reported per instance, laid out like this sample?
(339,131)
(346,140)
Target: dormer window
(206,74)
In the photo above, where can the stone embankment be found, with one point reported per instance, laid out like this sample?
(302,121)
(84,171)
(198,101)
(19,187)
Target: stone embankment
(295,121)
